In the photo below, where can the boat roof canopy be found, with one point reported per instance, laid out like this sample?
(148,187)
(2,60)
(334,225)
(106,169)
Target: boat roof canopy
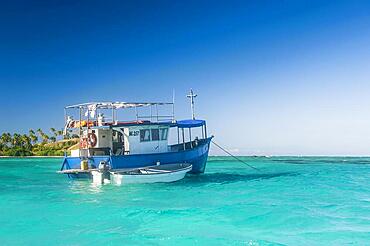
(115,105)
(190,123)
(143,122)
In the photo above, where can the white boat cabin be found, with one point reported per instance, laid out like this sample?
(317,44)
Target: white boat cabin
(146,139)
(135,139)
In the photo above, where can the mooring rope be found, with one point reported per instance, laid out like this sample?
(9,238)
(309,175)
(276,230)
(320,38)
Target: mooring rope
(238,159)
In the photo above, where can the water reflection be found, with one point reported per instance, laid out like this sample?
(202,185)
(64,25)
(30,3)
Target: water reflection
(233,177)
(84,186)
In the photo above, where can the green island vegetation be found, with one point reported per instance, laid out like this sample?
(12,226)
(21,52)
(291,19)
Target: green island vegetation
(37,143)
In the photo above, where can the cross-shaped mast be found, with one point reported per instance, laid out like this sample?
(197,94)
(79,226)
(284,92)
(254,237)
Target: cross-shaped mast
(192,96)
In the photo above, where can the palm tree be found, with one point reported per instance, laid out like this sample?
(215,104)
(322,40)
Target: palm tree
(54,131)
(26,142)
(3,141)
(43,136)
(33,136)
(17,140)
(6,138)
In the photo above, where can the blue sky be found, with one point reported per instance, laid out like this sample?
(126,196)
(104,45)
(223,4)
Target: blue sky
(273,77)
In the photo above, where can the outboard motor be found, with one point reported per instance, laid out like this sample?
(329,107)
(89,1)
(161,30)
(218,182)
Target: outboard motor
(100,176)
(103,166)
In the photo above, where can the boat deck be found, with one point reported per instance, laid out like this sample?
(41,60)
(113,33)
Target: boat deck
(77,171)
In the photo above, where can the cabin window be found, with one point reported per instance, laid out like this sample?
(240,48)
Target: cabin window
(155,134)
(117,137)
(144,135)
(164,133)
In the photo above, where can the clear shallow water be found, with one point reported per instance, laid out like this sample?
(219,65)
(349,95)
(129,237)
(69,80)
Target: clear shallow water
(292,201)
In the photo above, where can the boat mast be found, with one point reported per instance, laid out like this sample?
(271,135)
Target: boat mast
(192,96)
(173,105)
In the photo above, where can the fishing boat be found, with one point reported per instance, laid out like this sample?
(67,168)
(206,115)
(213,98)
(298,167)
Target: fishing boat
(147,135)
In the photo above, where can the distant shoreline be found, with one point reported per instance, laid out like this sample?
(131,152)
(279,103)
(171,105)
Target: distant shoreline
(253,156)
(31,156)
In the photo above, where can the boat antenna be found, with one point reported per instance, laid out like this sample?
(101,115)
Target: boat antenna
(173,105)
(238,159)
(192,96)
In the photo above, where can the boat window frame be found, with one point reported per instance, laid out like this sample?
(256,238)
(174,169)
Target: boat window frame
(119,136)
(151,134)
(165,135)
(143,139)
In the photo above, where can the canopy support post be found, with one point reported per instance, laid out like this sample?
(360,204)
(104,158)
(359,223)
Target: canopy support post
(178,136)
(136,113)
(205,129)
(191,145)
(156,109)
(183,137)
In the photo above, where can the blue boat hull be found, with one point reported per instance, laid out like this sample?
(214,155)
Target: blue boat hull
(197,156)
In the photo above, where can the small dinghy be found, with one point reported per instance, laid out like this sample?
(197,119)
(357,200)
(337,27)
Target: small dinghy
(160,173)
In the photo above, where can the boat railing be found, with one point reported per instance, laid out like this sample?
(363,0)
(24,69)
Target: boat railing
(188,145)
(156,118)
(103,113)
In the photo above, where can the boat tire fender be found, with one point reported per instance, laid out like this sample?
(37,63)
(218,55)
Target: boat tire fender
(92,139)
(83,143)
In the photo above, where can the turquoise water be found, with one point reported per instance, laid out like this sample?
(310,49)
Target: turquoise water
(292,201)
